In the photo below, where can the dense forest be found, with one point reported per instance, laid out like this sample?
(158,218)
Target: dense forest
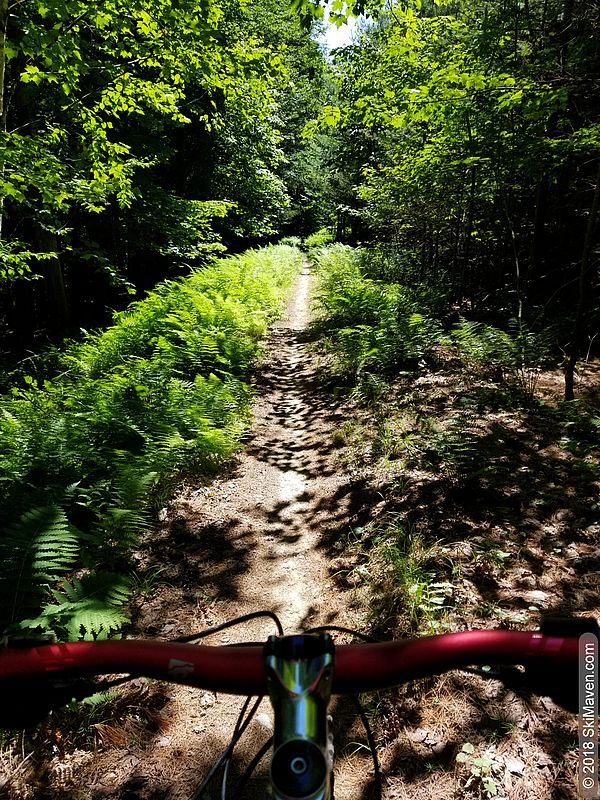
(470,136)
(167,169)
(461,138)
(456,143)
(138,140)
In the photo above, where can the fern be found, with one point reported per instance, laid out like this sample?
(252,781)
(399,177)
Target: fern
(519,352)
(320,238)
(485,344)
(86,608)
(34,552)
(128,410)
(461,446)
(378,327)
(126,514)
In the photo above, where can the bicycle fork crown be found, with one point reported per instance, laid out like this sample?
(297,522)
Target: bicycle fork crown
(299,677)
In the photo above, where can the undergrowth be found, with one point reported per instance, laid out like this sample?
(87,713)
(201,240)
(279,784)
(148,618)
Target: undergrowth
(85,458)
(448,428)
(372,326)
(483,512)
(377,325)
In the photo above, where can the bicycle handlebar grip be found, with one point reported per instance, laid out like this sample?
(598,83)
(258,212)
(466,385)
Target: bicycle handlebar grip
(569,626)
(25,703)
(28,701)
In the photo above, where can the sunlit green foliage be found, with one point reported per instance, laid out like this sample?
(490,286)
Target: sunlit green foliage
(88,608)
(136,142)
(518,352)
(88,69)
(36,549)
(319,238)
(85,454)
(473,133)
(375,326)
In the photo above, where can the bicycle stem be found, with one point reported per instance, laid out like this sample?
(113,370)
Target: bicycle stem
(299,673)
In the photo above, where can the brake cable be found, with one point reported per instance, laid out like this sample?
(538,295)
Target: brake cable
(225,756)
(341,629)
(230,624)
(243,721)
(241,785)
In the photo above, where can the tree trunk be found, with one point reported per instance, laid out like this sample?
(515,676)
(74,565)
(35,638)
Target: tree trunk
(466,256)
(3,109)
(58,307)
(565,34)
(583,291)
(539,228)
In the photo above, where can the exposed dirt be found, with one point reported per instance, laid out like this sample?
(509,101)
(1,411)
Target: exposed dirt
(489,518)
(259,538)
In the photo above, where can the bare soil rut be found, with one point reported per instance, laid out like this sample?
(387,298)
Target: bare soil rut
(260,538)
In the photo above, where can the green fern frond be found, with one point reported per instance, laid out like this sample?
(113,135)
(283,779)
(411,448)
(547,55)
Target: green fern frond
(127,514)
(86,608)
(35,551)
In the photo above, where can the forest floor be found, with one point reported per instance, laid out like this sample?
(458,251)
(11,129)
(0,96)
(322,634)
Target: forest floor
(307,524)
(257,538)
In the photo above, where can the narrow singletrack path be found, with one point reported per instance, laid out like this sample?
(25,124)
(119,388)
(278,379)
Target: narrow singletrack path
(259,538)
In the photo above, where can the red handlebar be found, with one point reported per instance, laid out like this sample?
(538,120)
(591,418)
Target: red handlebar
(240,670)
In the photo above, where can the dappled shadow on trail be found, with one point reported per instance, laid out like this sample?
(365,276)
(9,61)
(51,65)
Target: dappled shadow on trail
(189,554)
(501,503)
(252,536)
(499,506)
(419,751)
(299,408)
(261,536)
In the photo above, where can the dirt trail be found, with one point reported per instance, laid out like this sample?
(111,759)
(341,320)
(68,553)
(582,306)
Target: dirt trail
(261,538)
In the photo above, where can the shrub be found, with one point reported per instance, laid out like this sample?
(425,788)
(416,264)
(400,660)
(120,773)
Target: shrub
(321,238)
(291,241)
(372,325)
(518,352)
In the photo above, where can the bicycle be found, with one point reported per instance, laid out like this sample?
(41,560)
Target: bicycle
(299,673)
